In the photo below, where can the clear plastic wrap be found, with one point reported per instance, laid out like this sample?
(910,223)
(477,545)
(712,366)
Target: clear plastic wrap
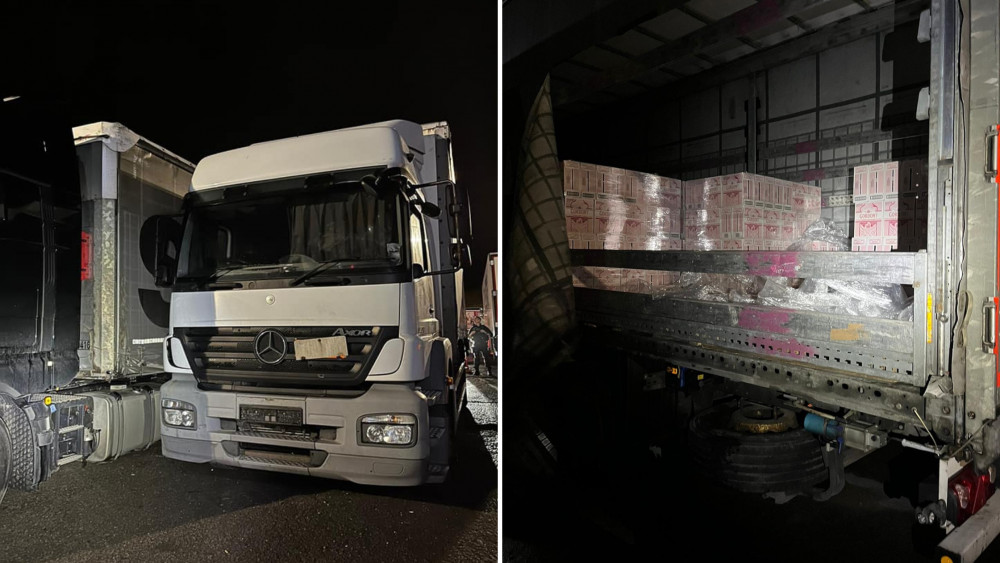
(723,288)
(746,212)
(615,209)
(857,298)
(826,296)
(836,296)
(822,231)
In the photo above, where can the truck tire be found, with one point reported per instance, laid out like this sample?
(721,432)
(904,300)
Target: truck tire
(6,459)
(790,461)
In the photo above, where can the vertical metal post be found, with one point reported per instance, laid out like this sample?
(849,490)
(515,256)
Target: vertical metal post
(120,349)
(980,264)
(922,317)
(939,164)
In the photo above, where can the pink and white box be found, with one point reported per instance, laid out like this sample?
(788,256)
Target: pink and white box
(877,211)
(615,209)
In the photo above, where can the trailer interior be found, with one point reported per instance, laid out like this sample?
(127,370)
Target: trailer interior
(804,91)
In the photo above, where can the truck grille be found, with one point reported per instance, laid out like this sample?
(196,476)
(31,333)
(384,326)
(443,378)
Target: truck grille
(227,355)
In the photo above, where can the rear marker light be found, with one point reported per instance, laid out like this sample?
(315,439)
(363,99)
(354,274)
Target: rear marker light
(969,492)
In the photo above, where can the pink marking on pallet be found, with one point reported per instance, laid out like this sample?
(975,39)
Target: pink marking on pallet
(790,348)
(775,264)
(764,321)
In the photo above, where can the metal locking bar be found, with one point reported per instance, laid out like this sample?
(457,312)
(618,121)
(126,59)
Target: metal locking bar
(991,322)
(992,155)
(990,326)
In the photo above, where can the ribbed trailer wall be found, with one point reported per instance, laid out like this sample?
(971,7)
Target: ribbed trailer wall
(123,314)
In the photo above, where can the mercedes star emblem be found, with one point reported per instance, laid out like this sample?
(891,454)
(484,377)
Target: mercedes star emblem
(270,347)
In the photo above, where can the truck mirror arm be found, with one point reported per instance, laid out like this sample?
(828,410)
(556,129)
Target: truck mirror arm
(441,272)
(418,271)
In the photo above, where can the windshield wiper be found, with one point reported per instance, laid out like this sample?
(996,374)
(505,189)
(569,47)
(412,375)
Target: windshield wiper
(218,274)
(319,269)
(210,280)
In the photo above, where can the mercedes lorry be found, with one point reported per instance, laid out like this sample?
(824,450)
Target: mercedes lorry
(81,321)
(317,307)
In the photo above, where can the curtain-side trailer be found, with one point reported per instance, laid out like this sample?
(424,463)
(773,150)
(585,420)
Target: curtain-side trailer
(80,312)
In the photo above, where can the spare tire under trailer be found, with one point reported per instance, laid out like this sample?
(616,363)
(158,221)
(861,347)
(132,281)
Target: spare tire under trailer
(770,455)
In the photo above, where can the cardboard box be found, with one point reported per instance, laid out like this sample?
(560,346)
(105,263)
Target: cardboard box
(754,207)
(611,208)
(887,197)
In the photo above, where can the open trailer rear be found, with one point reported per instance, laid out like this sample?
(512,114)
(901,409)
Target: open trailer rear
(806,94)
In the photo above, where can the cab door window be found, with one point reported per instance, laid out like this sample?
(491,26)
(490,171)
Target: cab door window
(418,245)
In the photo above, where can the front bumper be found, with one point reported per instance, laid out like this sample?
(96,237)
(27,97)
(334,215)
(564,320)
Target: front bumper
(342,457)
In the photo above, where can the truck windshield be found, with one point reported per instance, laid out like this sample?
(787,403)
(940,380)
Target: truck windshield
(271,231)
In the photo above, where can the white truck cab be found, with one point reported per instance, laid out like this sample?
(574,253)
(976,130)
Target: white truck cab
(317,294)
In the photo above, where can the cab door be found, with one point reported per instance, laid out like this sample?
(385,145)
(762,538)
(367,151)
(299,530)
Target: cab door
(423,288)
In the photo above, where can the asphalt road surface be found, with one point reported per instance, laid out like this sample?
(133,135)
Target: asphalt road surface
(665,508)
(144,507)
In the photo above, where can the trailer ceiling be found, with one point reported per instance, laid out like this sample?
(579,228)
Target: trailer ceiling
(604,52)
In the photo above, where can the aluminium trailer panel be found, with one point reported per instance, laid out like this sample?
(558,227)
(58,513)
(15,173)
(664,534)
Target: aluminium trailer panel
(125,180)
(449,291)
(885,349)
(979,266)
(816,355)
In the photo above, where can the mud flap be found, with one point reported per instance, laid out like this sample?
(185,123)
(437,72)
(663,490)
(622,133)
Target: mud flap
(439,461)
(834,460)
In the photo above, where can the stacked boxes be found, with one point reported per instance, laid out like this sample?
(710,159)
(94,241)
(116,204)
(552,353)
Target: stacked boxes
(617,209)
(890,207)
(876,207)
(747,212)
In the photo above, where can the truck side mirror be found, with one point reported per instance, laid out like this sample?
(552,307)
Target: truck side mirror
(428,209)
(456,208)
(165,275)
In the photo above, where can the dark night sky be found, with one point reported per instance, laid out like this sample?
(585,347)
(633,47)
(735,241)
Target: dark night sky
(200,78)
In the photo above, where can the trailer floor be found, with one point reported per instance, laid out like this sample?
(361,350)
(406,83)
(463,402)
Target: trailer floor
(147,507)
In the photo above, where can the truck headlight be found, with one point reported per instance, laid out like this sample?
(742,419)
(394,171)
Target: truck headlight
(388,429)
(178,413)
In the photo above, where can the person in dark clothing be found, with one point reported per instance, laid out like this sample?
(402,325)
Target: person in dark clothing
(480,337)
